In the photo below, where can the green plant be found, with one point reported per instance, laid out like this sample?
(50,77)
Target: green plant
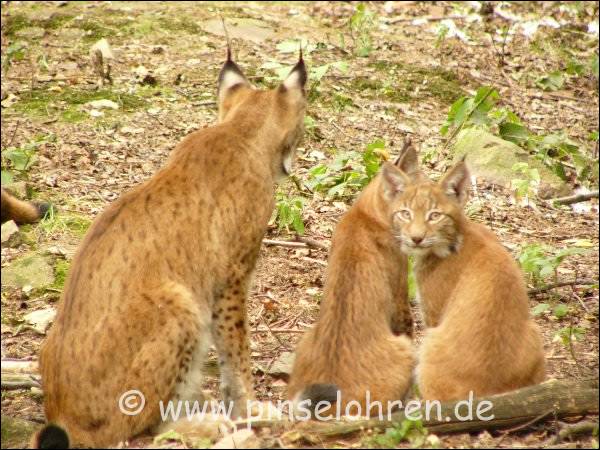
(541,261)
(14,52)
(411,431)
(315,72)
(349,173)
(20,159)
(526,187)
(288,212)
(555,150)
(361,24)
(552,81)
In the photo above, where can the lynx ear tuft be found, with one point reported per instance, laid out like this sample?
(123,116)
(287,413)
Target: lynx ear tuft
(394,180)
(231,75)
(456,182)
(297,77)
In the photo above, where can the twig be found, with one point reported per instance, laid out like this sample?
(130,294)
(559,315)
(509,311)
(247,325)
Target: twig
(278,330)
(521,427)
(285,243)
(312,243)
(12,137)
(301,242)
(569,200)
(561,284)
(429,19)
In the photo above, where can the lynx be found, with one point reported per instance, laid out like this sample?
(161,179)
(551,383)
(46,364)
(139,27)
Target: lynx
(165,270)
(353,346)
(21,211)
(480,336)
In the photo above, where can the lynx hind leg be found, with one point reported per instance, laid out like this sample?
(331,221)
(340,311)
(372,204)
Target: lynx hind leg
(230,336)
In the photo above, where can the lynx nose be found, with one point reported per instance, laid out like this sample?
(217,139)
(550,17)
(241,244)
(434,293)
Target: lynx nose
(417,239)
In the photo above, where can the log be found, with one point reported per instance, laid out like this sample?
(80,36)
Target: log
(546,401)
(19,381)
(574,198)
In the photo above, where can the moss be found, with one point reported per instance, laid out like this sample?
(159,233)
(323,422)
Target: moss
(14,23)
(42,102)
(408,78)
(61,270)
(185,24)
(72,115)
(94,31)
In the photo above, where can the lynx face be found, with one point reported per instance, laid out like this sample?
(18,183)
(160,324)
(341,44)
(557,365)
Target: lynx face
(426,214)
(282,108)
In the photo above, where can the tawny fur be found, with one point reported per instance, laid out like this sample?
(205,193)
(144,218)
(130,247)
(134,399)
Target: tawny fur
(165,270)
(479,336)
(21,211)
(353,344)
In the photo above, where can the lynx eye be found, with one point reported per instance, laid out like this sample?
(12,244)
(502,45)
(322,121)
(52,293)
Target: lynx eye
(434,216)
(404,214)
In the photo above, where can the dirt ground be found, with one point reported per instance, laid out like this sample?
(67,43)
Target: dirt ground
(403,87)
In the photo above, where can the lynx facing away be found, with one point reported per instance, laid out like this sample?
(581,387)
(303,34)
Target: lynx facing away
(166,269)
(352,347)
(473,297)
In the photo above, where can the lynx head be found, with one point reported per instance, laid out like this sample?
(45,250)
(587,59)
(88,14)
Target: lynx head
(427,216)
(277,113)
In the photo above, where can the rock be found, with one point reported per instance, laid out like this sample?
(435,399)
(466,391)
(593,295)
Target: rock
(33,270)
(31,33)
(10,234)
(243,438)
(492,158)
(16,433)
(253,30)
(41,319)
(282,366)
(100,104)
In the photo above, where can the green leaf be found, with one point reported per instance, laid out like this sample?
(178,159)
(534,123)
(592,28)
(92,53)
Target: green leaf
(513,132)
(560,311)
(7,177)
(551,82)
(541,308)
(319,72)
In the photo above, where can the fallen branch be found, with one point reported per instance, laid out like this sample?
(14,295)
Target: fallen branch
(285,243)
(312,242)
(569,200)
(568,431)
(551,286)
(552,399)
(12,382)
(300,242)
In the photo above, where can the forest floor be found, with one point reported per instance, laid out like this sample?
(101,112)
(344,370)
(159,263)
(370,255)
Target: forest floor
(390,77)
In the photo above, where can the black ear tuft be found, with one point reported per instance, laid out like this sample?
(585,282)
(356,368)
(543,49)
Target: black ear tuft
(230,75)
(297,77)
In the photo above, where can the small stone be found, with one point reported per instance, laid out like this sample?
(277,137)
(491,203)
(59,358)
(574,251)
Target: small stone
(100,104)
(282,366)
(41,319)
(34,270)
(10,234)
(243,438)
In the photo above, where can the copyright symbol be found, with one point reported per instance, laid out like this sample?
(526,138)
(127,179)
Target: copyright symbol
(132,402)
